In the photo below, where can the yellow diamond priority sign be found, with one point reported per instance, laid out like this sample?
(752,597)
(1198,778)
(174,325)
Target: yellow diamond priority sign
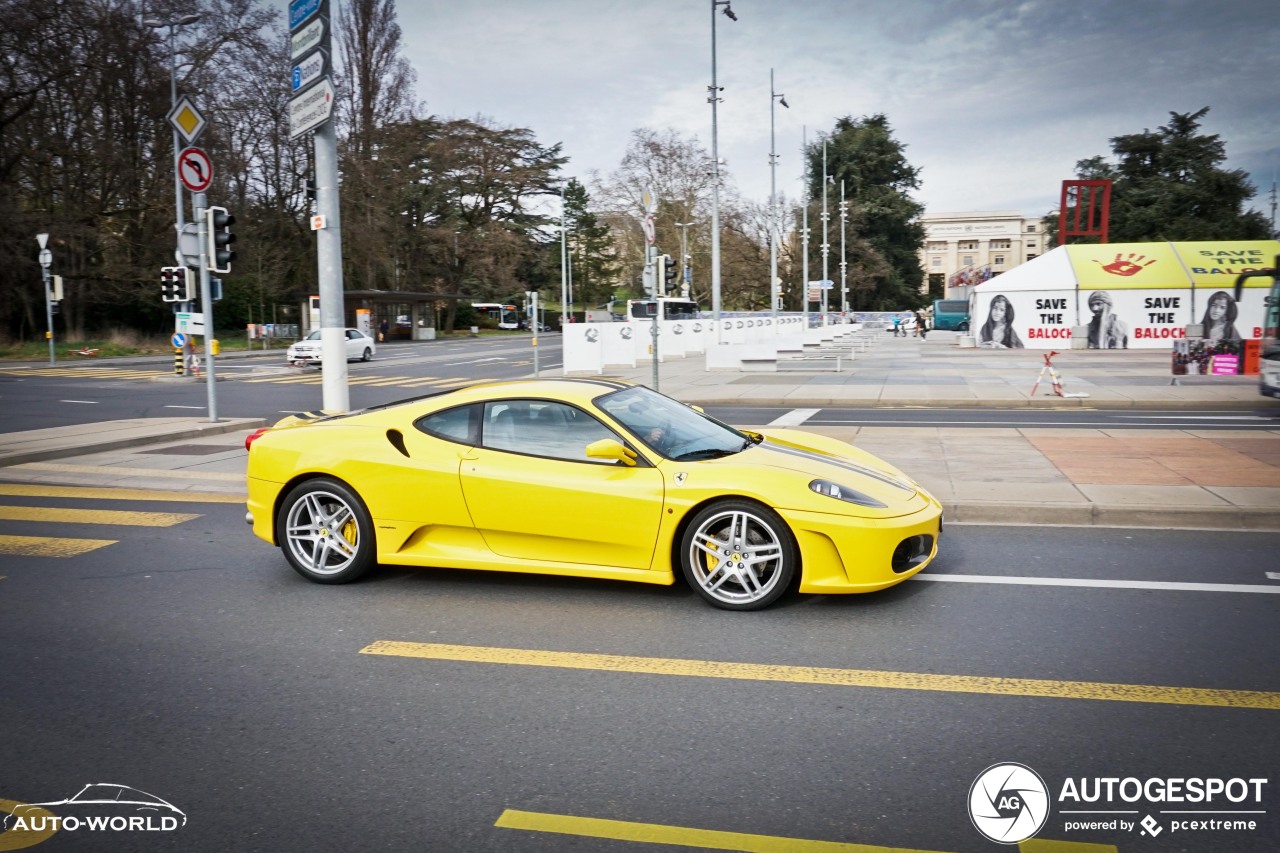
(186,119)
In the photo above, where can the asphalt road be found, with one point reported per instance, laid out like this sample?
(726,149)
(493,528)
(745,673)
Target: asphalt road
(264,387)
(190,662)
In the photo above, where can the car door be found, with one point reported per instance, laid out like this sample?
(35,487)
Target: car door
(534,495)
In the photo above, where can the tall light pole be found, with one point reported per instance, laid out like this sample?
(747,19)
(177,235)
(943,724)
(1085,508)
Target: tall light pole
(155,24)
(714,98)
(826,247)
(686,277)
(564,261)
(844,264)
(773,202)
(804,229)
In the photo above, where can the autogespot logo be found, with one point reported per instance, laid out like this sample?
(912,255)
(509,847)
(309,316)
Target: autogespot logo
(1008,803)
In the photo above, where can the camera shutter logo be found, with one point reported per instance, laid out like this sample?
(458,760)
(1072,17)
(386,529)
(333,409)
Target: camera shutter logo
(1008,803)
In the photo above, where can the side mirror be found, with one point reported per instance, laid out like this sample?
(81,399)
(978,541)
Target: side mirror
(609,448)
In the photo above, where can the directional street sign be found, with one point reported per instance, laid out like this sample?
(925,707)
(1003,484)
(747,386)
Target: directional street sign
(311,109)
(300,10)
(195,169)
(309,70)
(186,119)
(306,38)
(178,340)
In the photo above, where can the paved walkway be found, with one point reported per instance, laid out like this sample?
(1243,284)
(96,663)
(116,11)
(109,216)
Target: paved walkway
(1227,479)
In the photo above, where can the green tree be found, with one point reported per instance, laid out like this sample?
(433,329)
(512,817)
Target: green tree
(1169,184)
(590,243)
(884,233)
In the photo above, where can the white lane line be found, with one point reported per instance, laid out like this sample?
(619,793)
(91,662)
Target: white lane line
(1020,424)
(1199,417)
(86,402)
(795,417)
(1104,584)
(1275,576)
(184,407)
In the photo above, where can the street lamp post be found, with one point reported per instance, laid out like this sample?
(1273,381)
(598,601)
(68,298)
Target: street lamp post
(155,24)
(773,203)
(804,228)
(564,262)
(714,92)
(686,276)
(46,259)
(844,264)
(826,243)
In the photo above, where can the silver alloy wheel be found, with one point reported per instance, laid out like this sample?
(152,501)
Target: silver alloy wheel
(322,532)
(736,557)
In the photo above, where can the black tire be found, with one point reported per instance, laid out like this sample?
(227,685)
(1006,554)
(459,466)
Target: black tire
(325,532)
(739,555)
(367,355)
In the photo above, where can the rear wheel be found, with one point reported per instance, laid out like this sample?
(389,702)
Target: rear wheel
(739,555)
(326,532)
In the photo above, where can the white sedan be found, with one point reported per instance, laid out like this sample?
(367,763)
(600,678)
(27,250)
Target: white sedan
(308,350)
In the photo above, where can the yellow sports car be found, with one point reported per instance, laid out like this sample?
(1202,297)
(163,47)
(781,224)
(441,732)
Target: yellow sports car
(590,478)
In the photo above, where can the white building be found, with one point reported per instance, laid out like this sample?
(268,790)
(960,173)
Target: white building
(966,249)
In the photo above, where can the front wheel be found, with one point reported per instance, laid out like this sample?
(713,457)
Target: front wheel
(739,555)
(368,355)
(325,532)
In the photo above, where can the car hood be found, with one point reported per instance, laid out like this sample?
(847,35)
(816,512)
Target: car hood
(814,457)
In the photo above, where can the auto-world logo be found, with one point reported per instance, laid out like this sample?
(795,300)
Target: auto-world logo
(1008,803)
(103,807)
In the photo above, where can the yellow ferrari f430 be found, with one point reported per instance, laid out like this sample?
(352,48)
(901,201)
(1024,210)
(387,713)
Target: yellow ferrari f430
(591,478)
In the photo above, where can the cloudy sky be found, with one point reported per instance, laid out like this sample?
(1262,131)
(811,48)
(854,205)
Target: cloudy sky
(995,100)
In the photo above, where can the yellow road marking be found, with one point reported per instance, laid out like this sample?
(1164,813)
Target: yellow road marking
(711,839)
(46,546)
(61,515)
(92,493)
(15,839)
(153,473)
(656,833)
(1101,691)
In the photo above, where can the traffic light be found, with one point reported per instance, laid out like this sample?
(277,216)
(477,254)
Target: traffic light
(172,281)
(177,284)
(219,223)
(669,272)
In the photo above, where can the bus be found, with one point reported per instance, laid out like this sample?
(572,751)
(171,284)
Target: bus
(951,315)
(1269,346)
(672,309)
(506,316)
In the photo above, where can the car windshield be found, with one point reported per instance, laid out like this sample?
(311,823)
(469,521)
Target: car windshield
(313,336)
(670,427)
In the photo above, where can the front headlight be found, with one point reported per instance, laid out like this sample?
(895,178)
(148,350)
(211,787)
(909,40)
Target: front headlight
(844,493)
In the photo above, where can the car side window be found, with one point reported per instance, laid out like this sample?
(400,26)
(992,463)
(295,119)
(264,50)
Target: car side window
(457,424)
(542,428)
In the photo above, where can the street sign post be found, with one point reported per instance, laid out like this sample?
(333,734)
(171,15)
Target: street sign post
(187,120)
(311,109)
(309,70)
(195,169)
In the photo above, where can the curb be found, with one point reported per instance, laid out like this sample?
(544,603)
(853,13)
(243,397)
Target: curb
(19,457)
(1102,515)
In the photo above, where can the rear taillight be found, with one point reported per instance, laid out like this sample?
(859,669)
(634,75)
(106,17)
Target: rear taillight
(254,436)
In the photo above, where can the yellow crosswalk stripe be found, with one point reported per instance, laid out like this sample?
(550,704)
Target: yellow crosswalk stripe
(47,546)
(97,493)
(82,373)
(994,686)
(60,515)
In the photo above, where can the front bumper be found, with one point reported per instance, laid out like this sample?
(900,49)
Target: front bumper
(844,554)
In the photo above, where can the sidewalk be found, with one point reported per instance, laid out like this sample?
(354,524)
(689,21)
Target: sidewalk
(1221,479)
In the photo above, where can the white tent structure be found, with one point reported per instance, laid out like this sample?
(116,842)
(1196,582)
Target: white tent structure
(1124,295)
